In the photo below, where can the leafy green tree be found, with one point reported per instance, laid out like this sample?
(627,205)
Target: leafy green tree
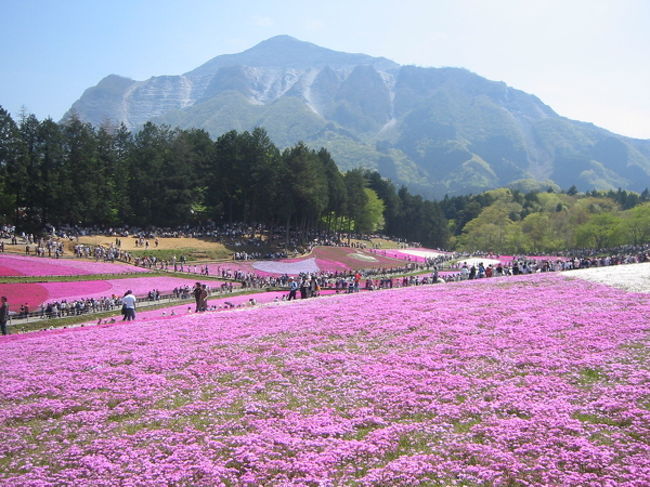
(599,232)
(25,177)
(148,159)
(10,146)
(386,191)
(263,181)
(636,224)
(357,198)
(121,173)
(489,230)
(336,190)
(49,196)
(82,176)
(371,218)
(307,184)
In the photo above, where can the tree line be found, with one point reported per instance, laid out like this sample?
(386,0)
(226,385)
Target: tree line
(510,222)
(74,173)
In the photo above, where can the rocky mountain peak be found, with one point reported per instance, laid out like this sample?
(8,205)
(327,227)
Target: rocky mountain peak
(437,130)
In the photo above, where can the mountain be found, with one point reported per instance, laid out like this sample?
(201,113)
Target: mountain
(437,130)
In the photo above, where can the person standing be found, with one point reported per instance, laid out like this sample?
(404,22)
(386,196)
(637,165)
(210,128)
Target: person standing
(4,315)
(203,298)
(293,288)
(196,292)
(304,288)
(128,303)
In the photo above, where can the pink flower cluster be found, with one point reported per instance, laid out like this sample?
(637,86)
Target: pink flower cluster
(223,303)
(22,265)
(532,381)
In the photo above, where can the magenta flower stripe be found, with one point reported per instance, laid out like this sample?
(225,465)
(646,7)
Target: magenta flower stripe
(321,259)
(18,265)
(34,294)
(531,381)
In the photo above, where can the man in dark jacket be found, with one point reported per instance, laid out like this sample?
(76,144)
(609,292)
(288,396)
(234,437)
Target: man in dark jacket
(197,291)
(4,315)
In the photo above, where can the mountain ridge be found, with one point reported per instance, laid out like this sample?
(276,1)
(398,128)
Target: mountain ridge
(437,130)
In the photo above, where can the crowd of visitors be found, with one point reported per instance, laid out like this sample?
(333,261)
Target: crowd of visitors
(75,307)
(256,241)
(260,255)
(63,308)
(98,252)
(522,265)
(304,286)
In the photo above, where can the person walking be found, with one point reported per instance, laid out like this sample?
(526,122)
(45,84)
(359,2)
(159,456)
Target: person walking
(128,306)
(4,315)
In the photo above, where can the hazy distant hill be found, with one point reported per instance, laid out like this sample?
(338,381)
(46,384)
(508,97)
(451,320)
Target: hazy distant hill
(438,130)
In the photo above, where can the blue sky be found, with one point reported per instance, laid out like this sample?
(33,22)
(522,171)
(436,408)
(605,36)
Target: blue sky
(587,59)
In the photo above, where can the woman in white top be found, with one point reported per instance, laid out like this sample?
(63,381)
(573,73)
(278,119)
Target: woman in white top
(128,306)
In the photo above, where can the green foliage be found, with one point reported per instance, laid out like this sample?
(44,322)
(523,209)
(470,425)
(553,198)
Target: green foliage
(636,224)
(599,232)
(373,213)
(508,221)
(71,173)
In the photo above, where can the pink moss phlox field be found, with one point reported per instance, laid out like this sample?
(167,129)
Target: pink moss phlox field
(292,267)
(36,293)
(320,259)
(18,293)
(531,381)
(19,265)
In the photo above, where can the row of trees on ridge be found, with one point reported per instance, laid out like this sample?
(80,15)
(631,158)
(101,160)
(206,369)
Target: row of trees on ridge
(73,173)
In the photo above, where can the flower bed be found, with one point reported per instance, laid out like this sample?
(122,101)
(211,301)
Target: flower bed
(321,259)
(18,294)
(33,294)
(533,380)
(19,265)
(286,266)
(352,259)
(221,304)
(233,267)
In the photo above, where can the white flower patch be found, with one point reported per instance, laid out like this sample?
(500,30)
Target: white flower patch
(292,268)
(362,257)
(631,277)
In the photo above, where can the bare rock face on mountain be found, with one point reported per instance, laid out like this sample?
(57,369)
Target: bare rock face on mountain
(437,130)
